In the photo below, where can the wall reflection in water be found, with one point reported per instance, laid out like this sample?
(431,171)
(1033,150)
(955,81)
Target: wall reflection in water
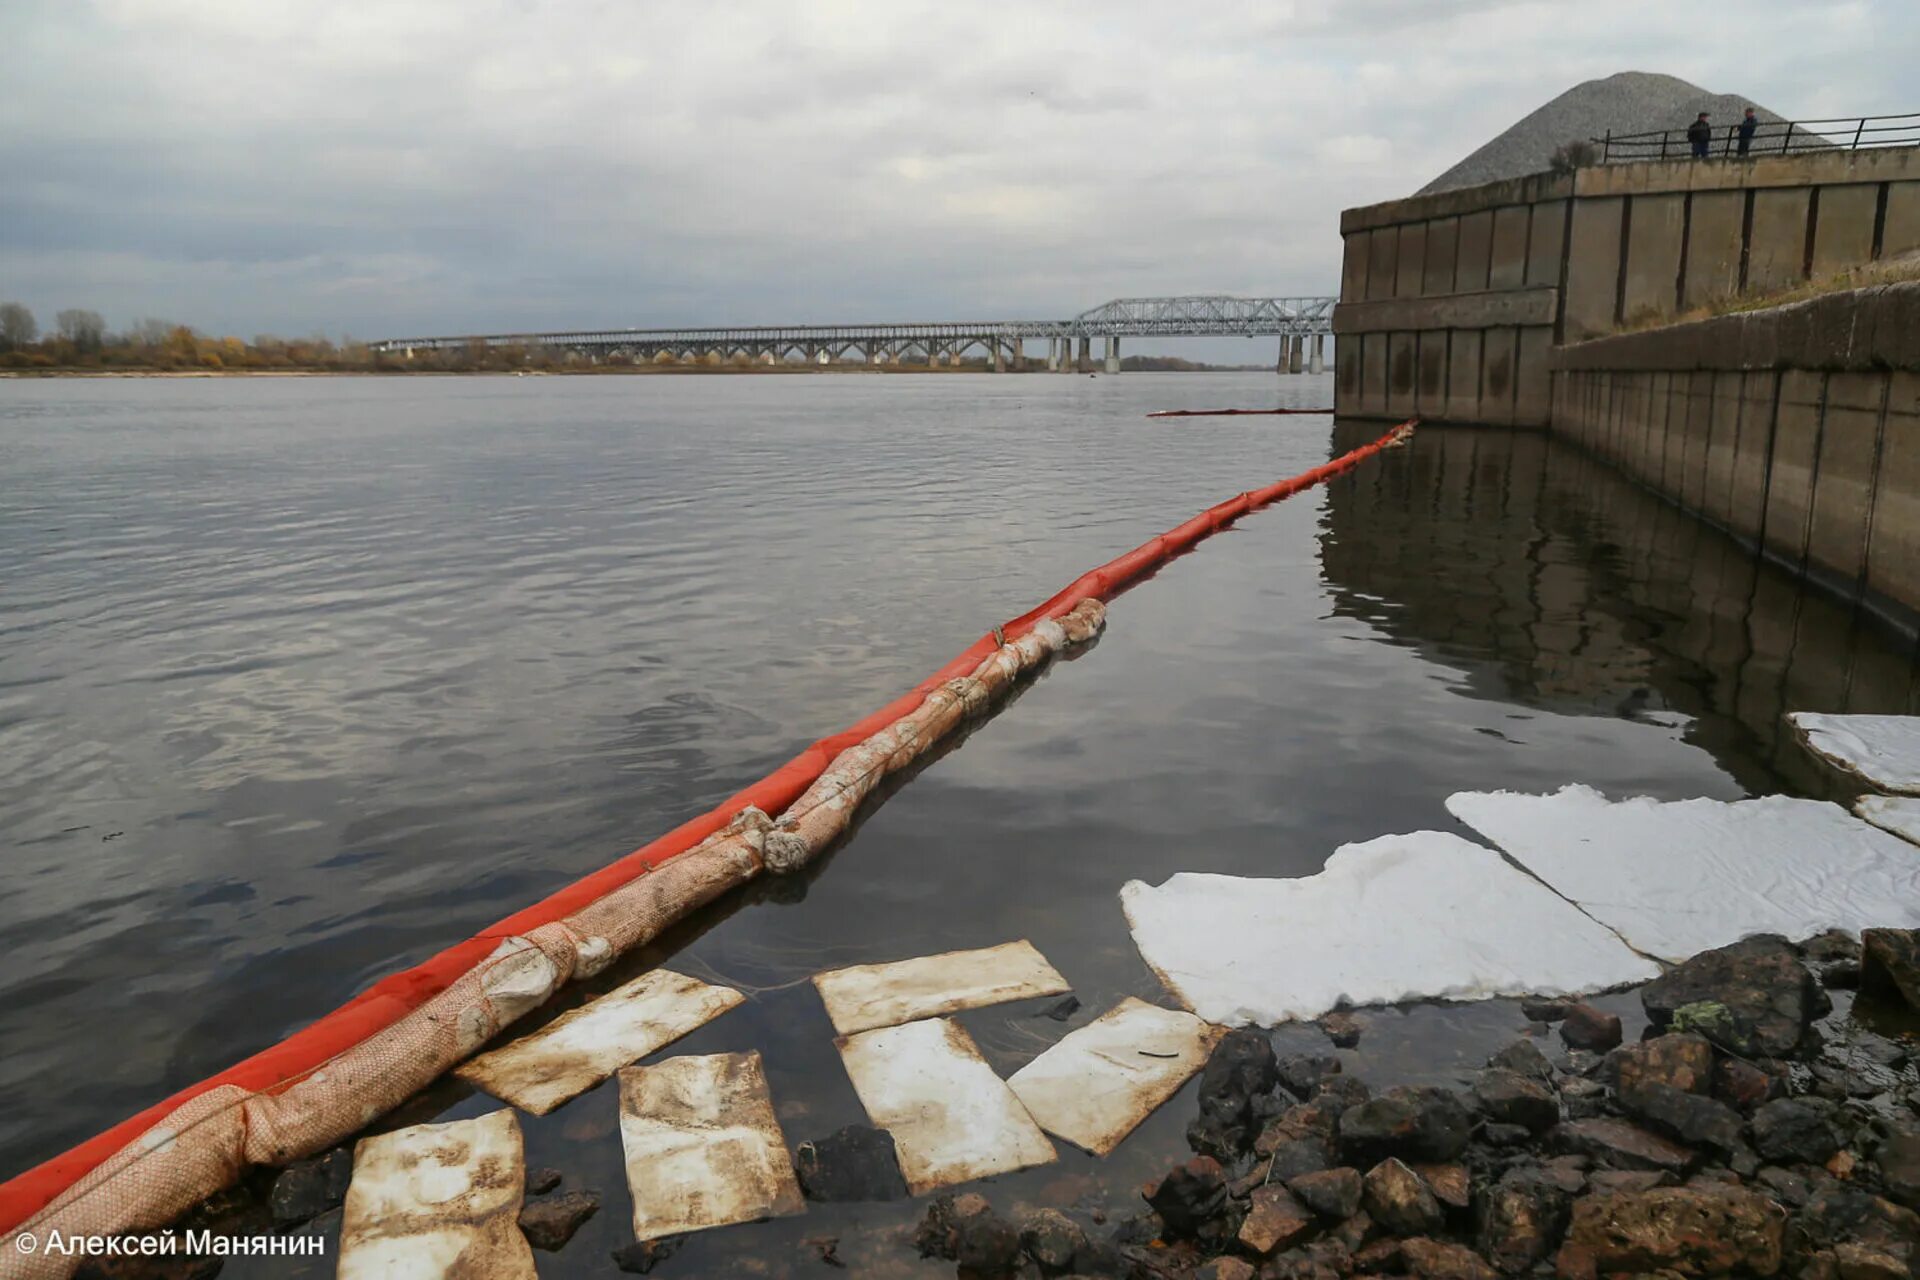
(1548,577)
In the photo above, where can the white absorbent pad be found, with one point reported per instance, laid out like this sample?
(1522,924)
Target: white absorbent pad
(1096,1085)
(702,1146)
(951,1117)
(438,1200)
(1884,750)
(1898,814)
(584,1046)
(1406,917)
(1677,878)
(866,996)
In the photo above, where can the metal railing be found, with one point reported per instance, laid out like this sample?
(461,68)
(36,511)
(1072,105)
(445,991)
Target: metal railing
(1770,137)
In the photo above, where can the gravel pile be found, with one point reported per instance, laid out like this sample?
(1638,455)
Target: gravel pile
(1630,102)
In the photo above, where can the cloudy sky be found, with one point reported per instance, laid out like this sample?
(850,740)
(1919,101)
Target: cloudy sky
(347,166)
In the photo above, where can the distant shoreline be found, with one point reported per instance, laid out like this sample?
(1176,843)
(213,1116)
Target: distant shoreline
(595,371)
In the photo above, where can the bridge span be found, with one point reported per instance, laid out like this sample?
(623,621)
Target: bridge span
(1295,321)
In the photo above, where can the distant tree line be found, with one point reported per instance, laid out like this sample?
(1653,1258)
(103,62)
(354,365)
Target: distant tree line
(81,340)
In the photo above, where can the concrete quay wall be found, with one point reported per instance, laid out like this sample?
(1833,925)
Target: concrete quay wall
(1795,428)
(1452,302)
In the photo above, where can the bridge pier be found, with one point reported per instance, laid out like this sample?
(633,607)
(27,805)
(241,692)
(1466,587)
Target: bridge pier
(1318,364)
(999,356)
(1294,359)
(1113,353)
(1085,363)
(1280,364)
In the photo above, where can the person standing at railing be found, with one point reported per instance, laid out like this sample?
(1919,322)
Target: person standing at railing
(1700,134)
(1748,123)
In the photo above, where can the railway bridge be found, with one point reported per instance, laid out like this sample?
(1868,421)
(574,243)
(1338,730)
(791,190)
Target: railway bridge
(1069,343)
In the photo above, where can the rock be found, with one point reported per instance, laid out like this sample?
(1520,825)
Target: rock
(1858,1262)
(938,1235)
(1524,1058)
(1100,1258)
(1399,1199)
(1190,1195)
(1787,1131)
(541,1181)
(857,1163)
(1757,999)
(1898,1156)
(1629,1179)
(1890,964)
(1543,1010)
(1343,1029)
(1381,1255)
(1354,1233)
(1275,1219)
(1834,957)
(549,1224)
(1569,1173)
(1838,1214)
(1451,1185)
(986,1244)
(1061,1010)
(643,1256)
(1507,1097)
(1240,1070)
(1586,1027)
(1301,1156)
(1417,1122)
(1505,1135)
(1683,1062)
(1691,1231)
(1786,1186)
(311,1187)
(1743,1085)
(1520,1221)
(1051,1239)
(1337,1093)
(1225,1269)
(1302,1073)
(1621,1145)
(1331,1193)
(1438,1260)
(1691,1117)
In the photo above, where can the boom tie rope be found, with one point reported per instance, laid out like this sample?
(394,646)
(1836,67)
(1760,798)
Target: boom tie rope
(328,1081)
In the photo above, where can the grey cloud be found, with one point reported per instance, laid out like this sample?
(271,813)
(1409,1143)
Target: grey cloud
(424,165)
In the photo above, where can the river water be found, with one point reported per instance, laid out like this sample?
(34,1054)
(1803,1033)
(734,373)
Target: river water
(302,679)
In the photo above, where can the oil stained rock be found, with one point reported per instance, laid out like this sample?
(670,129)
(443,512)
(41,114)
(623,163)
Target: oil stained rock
(857,1163)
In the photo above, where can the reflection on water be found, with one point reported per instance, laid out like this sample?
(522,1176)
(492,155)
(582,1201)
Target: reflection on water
(1557,584)
(301,680)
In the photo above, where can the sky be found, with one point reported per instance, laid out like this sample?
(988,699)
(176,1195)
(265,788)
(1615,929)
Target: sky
(457,166)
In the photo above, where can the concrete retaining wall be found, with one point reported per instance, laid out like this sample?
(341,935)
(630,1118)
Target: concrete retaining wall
(1451,302)
(1795,428)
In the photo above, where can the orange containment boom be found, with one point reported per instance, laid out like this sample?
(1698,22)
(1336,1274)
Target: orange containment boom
(1231,413)
(325,1083)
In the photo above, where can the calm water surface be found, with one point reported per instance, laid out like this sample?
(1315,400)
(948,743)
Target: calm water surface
(302,679)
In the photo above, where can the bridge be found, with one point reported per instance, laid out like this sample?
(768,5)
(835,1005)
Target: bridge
(1294,321)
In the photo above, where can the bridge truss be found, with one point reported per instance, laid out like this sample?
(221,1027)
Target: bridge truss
(1003,342)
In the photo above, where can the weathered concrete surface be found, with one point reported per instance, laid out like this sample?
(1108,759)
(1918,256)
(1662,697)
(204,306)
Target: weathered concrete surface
(1796,428)
(1610,245)
(1479,310)
(1777,247)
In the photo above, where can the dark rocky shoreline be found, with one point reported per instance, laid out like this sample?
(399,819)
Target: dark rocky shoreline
(1737,1138)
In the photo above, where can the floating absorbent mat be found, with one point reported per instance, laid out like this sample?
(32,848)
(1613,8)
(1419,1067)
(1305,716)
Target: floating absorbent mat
(952,1118)
(1898,814)
(1884,750)
(584,1046)
(1683,877)
(884,995)
(702,1146)
(1096,1085)
(438,1200)
(1406,917)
